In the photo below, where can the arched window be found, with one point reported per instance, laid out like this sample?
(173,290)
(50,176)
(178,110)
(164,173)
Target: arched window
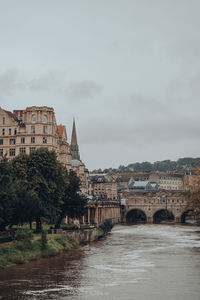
(44,118)
(33,118)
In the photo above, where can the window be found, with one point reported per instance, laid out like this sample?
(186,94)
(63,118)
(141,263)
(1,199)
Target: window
(32,129)
(172,200)
(163,199)
(1,141)
(3,131)
(1,152)
(10,131)
(44,140)
(44,119)
(15,131)
(4,121)
(33,118)
(44,129)
(32,149)
(23,140)
(22,150)
(12,141)
(12,152)
(33,140)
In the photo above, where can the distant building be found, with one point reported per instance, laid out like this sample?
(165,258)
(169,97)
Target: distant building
(143,185)
(102,187)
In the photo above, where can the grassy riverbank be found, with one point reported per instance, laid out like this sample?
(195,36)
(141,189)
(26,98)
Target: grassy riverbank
(20,252)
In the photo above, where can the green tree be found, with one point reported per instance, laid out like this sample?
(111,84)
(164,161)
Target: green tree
(73,203)
(40,182)
(7,193)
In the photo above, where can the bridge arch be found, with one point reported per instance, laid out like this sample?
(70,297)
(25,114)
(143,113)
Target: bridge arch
(136,215)
(189,212)
(163,215)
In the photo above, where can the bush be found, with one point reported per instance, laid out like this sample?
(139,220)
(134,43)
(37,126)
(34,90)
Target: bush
(106,226)
(65,241)
(23,235)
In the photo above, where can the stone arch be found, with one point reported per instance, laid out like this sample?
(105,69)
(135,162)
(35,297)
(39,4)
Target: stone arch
(136,215)
(163,215)
(185,214)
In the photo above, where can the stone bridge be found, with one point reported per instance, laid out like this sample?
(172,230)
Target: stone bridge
(151,203)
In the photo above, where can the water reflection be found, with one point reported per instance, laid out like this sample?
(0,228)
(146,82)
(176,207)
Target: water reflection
(134,262)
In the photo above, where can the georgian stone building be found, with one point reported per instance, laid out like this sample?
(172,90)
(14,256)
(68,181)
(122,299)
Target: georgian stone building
(24,131)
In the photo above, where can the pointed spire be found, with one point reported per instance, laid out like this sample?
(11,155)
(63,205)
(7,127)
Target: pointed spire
(74,138)
(74,149)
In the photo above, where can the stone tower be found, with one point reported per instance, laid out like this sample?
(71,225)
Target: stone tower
(74,149)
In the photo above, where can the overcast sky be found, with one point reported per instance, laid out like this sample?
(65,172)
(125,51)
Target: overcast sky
(127,70)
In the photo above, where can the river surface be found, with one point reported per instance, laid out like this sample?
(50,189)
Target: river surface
(151,262)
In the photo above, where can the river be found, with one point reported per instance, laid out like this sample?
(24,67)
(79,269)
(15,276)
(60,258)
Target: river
(140,262)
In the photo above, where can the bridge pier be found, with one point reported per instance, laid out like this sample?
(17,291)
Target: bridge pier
(150,220)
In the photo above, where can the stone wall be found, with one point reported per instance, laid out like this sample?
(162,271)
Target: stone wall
(80,235)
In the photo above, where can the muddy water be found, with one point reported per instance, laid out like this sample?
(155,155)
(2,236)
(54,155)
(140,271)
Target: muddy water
(134,262)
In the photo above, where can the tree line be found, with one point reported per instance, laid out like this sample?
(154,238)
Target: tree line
(162,166)
(38,188)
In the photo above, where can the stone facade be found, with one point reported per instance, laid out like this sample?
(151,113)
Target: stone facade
(102,186)
(151,202)
(24,131)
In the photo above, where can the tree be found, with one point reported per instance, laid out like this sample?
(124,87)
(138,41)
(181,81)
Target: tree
(73,203)
(40,181)
(7,193)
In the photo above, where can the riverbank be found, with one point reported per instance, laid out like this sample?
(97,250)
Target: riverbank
(24,249)
(20,252)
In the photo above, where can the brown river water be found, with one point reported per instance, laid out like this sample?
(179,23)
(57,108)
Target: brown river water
(158,262)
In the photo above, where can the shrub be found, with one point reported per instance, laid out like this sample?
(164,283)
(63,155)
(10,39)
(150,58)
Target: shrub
(106,226)
(23,235)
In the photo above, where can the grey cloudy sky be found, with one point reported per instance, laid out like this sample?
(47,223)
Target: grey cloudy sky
(127,70)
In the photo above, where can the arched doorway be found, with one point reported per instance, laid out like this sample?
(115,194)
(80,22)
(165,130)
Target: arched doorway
(136,216)
(162,216)
(188,217)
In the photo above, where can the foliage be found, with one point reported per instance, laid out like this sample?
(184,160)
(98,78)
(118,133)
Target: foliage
(20,252)
(23,235)
(106,226)
(163,166)
(7,193)
(73,203)
(37,188)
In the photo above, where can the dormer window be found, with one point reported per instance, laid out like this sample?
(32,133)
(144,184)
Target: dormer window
(44,118)
(33,118)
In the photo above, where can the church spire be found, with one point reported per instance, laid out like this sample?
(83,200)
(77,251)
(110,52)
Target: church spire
(74,138)
(74,149)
